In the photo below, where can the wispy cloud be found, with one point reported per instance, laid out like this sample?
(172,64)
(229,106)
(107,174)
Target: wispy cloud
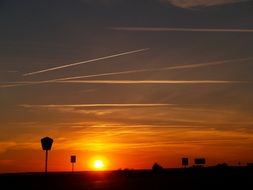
(178,3)
(92,105)
(163,29)
(87,61)
(9,71)
(202,3)
(6,145)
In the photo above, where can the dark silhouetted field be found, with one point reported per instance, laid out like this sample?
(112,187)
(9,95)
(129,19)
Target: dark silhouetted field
(191,178)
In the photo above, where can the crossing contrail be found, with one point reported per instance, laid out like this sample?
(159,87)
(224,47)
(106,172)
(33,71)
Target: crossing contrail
(84,62)
(196,65)
(177,67)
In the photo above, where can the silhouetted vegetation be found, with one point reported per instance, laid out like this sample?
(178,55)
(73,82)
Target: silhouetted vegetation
(223,165)
(157,168)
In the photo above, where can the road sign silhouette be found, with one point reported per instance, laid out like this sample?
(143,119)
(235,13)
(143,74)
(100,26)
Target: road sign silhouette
(73,161)
(185,162)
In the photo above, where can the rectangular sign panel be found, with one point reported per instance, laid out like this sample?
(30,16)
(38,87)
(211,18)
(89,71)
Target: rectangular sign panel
(200,161)
(73,159)
(185,161)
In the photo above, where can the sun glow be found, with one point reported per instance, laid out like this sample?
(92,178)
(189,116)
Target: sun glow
(98,164)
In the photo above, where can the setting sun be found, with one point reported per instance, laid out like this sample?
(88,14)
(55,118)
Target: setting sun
(98,164)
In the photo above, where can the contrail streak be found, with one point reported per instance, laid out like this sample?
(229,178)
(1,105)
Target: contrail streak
(92,105)
(87,61)
(151,81)
(25,83)
(197,65)
(163,29)
(157,69)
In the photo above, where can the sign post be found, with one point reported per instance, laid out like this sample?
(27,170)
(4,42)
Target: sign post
(185,162)
(46,144)
(200,162)
(73,161)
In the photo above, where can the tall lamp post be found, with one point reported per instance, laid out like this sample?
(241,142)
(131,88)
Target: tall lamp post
(46,143)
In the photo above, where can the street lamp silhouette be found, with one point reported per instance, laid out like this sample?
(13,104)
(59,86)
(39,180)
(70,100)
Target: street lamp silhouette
(73,161)
(46,143)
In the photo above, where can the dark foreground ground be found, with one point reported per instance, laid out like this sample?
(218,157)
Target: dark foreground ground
(191,178)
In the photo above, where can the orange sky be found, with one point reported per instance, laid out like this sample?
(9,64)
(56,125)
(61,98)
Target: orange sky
(133,140)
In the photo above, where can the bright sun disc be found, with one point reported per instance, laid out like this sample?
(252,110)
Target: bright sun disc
(98,164)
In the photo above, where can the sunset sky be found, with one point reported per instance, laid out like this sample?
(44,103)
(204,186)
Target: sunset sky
(130,82)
